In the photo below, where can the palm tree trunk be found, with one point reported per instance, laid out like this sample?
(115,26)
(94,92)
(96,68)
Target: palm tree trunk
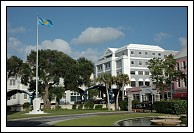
(117,100)
(107,96)
(123,93)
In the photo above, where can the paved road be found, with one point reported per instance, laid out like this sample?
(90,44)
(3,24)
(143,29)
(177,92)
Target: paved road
(50,120)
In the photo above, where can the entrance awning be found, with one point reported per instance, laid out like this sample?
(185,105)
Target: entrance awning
(180,95)
(135,89)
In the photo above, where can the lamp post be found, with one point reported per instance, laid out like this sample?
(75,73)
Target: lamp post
(171,90)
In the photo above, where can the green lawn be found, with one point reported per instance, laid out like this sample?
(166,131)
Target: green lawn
(100,120)
(103,120)
(22,114)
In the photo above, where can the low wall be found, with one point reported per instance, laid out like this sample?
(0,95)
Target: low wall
(112,106)
(69,106)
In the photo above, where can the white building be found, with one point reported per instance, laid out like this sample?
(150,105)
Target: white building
(132,59)
(20,98)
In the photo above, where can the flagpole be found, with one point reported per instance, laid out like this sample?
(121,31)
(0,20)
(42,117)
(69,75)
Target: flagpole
(36,101)
(37,56)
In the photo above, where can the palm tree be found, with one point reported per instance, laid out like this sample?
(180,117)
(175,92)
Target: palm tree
(121,80)
(107,80)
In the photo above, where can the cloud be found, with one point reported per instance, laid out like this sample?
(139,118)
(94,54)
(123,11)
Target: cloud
(159,37)
(16,30)
(99,35)
(89,53)
(57,44)
(183,41)
(17,48)
(14,46)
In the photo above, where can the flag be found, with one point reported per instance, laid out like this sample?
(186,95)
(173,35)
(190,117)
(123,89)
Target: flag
(44,22)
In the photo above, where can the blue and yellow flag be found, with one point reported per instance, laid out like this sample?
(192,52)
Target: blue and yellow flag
(44,22)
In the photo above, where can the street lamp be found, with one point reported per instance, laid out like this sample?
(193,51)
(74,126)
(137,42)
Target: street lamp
(171,90)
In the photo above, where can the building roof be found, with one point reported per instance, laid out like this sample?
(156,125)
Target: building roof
(182,53)
(145,47)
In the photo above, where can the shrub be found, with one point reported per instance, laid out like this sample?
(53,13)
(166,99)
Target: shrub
(26,106)
(58,108)
(171,107)
(80,106)
(123,105)
(99,107)
(89,105)
(135,103)
(74,106)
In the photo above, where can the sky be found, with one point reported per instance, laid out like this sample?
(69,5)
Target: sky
(89,31)
(82,30)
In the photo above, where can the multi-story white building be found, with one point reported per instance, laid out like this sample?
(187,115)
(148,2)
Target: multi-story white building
(132,59)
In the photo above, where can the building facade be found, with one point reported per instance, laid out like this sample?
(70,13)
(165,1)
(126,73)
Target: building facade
(69,97)
(132,59)
(180,86)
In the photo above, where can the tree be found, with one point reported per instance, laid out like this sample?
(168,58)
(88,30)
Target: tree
(164,72)
(85,69)
(52,66)
(155,66)
(57,92)
(14,65)
(121,80)
(170,71)
(107,80)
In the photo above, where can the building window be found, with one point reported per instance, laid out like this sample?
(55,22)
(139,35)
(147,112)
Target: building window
(146,53)
(165,56)
(140,63)
(14,96)
(132,52)
(140,72)
(178,68)
(159,54)
(107,65)
(147,83)
(136,97)
(184,64)
(139,52)
(147,73)
(100,67)
(132,72)
(178,83)
(119,63)
(153,53)
(140,83)
(25,96)
(133,83)
(184,82)
(146,63)
(12,82)
(132,62)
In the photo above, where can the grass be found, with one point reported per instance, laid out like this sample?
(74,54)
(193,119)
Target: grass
(100,120)
(103,120)
(22,114)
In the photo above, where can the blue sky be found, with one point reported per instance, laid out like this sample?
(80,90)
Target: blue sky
(89,31)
